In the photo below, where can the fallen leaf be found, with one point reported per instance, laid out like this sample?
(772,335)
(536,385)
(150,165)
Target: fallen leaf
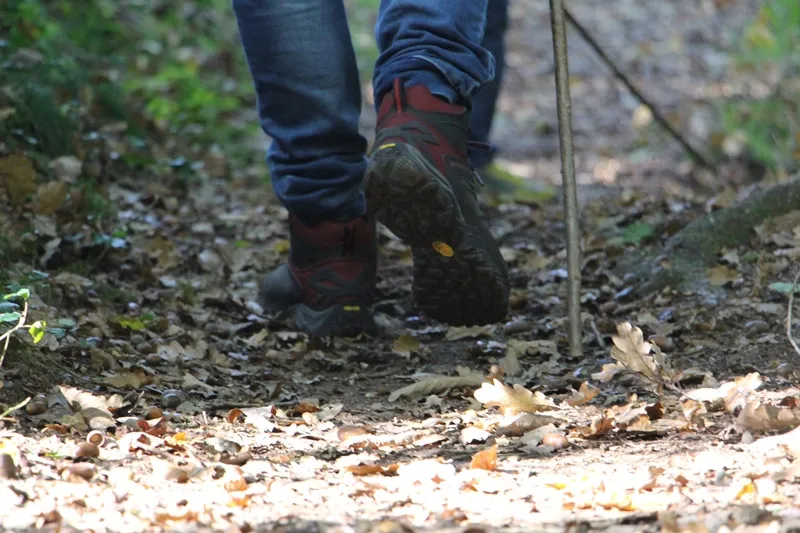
(93,409)
(485,459)
(600,426)
(756,417)
(721,275)
(518,425)
(534,347)
(50,197)
(405,344)
(132,379)
(608,372)
(436,384)
(471,332)
(510,364)
(371,470)
(631,350)
(534,438)
(66,168)
(512,400)
(474,435)
(585,394)
(19,176)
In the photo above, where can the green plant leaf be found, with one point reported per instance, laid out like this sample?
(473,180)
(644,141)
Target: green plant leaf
(37,330)
(22,294)
(637,232)
(6,318)
(784,287)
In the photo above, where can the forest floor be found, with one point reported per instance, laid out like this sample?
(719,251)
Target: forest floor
(224,419)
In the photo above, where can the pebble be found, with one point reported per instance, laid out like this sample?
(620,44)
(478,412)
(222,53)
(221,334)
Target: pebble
(756,327)
(171,399)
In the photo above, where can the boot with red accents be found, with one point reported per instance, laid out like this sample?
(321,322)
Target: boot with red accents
(420,185)
(329,280)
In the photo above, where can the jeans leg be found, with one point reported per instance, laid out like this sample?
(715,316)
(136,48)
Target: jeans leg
(309,100)
(432,43)
(484,102)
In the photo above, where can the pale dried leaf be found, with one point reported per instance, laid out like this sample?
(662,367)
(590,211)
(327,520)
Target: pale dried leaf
(518,425)
(471,332)
(585,394)
(405,344)
(756,417)
(485,460)
(513,400)
(608,372)
(436,384)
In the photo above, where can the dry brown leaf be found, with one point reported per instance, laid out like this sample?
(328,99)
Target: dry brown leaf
(19,176)
(600,426)
(50,197)
(406,344)
(632,351)
(585,394)
(436,384)
(518,425)
(471,332)
(535,347)
(371,470)
(94,410)
(516,400)
(510,364)
(608,372)
(756,417)
(474,435)
(485,459)
(131,379)
(535,437)
(372,442)
(721,275)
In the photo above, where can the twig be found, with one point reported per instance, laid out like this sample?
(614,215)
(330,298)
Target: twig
(660,118)
(564,105)
(10,410)
(789,314)
(597,335)
(7,335)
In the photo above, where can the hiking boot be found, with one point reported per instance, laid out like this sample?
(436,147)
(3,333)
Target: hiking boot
(505,187)
(328,280)
(420,185)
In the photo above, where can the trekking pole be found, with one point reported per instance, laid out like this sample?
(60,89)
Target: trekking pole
(559,27)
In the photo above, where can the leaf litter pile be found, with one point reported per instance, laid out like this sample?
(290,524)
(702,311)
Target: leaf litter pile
(161,397)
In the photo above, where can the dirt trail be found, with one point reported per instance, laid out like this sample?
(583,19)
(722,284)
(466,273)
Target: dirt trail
(254,427)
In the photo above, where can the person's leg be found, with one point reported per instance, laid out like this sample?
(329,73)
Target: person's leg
(499,184)
(306,80)
(419,182)
(484,102)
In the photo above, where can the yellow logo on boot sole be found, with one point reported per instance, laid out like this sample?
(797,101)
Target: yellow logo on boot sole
(442,248)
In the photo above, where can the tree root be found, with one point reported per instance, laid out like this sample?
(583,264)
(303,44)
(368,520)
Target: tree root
(685,257)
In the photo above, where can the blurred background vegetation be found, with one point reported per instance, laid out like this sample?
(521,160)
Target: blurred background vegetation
(161,88)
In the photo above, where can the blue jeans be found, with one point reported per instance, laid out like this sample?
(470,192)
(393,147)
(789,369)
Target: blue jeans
(309,99)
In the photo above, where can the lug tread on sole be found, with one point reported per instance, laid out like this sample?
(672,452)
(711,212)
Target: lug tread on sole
(465,289)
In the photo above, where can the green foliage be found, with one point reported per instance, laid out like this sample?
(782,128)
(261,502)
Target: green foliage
(770,124)
(14,320)
(173,67)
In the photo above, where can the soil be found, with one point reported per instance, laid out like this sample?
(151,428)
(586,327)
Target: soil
(223,419)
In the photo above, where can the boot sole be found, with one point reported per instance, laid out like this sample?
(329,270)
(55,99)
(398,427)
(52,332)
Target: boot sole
(456,281)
